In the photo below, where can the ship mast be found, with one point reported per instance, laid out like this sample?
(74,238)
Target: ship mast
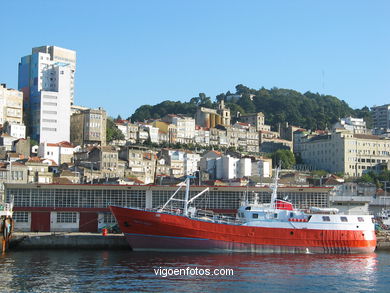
(274,188)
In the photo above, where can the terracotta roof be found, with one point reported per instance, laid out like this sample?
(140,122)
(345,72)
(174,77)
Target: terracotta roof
(243,123)
(50,161)
(366,136)
(17,164)
(61,180)
(68,173)
(63,144)
(108,149)
(34,159)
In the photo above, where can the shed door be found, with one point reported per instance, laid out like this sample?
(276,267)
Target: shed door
(40,221)
(88,222)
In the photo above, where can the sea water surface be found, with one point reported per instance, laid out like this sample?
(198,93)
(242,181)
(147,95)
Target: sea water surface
(127,271)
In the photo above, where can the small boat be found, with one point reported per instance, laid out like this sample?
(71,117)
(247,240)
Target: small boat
(6,224)
(275,227)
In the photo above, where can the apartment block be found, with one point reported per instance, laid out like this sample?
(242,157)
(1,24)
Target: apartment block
(381,117)
(88,127)
(346,152)
(46,78)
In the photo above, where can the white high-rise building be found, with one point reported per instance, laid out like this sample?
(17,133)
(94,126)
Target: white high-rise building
(46,78)
(61,55)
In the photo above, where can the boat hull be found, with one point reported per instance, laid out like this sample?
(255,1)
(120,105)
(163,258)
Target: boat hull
(145,230)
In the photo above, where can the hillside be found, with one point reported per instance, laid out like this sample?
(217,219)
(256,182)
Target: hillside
(308,110)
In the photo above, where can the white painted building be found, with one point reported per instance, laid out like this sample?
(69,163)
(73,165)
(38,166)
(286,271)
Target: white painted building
(153,132)
(355,125)
(185,128)
(58,152)
(191,163)
(6,141)
(61,55)
(46,78)
(16,130)
(11,105)
(244,168)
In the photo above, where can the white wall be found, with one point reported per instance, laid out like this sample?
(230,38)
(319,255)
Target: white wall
(63,227)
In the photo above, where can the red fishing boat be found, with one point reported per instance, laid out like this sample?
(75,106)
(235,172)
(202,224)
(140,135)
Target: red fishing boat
(269,228)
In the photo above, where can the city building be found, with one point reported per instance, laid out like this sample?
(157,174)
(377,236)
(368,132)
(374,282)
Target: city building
(185,127)
(88,127)
(355,125)
(16,130)
(129,130)
(270,142)
(152,132)
(141,163)
(11,105)
(345,152)
(206,117)
(286,131)
(22,146)
(105,159)
(38,170)
(60,153)
(61,55)
(381,117)
(257,120)
(46,78)
(202,136)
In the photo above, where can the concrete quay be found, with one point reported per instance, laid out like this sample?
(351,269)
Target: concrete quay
(66,240)
(383,240)
(78,240)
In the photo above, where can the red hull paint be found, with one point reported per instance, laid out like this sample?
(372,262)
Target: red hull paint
(151,230)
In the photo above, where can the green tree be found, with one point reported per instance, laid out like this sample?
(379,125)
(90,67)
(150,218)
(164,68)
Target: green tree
(112,132)
(285,157)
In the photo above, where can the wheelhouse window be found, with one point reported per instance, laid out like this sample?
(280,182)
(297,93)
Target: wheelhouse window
(326,218)
(255,216)
(344,219)
(360,219)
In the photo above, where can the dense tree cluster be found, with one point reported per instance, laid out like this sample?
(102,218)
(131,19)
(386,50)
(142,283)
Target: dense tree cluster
(308,110)
(376,178)
(283,158)
(112,132)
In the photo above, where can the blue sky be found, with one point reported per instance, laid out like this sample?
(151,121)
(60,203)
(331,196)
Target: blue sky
(131,53)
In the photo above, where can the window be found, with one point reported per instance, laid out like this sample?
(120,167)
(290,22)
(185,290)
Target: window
(20,217)
(108,218)
(326,218)
(66,217)
(49,104)
(360,219)
(255,216)
(344,219)
(50,112)
(49,120)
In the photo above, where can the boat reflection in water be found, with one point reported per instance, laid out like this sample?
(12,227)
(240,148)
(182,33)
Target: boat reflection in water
(91,271)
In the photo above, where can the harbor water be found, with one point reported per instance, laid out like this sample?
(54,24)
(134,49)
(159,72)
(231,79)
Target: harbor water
(127,271)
